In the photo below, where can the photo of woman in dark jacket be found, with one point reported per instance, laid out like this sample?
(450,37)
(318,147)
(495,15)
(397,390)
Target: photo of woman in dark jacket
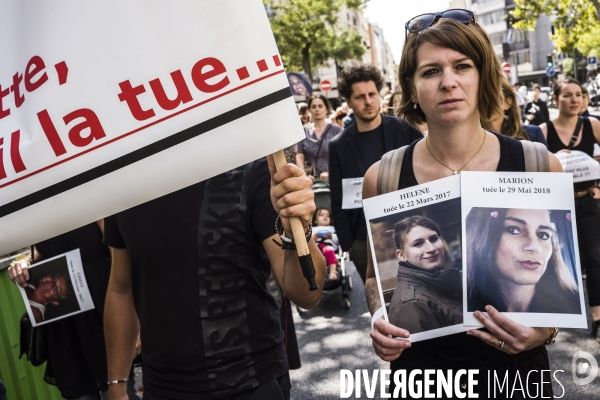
(428,295)
(514,262)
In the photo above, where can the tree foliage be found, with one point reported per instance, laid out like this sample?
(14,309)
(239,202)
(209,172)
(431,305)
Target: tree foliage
(306,32)
(574,20)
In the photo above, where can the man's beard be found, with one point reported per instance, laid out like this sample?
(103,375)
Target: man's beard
(363,118)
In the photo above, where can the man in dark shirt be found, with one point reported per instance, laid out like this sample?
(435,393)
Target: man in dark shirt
(359,146)
(189,267)
(536,111)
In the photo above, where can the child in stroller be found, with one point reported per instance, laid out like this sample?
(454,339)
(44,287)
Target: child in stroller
(326,239)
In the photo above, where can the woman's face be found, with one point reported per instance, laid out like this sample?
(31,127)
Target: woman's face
(318,109)
(298,86)
(507,103)
(323,218)
(570,99)
(525,246)
(585,102)
(305,117)
(422,247)
(446,85)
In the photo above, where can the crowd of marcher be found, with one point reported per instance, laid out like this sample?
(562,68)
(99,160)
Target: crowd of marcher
(181,280)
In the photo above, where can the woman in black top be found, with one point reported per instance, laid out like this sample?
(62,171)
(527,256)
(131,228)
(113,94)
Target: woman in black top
(453,77)
(76,350)
(568,95)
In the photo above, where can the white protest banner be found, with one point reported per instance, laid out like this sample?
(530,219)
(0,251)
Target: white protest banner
(352,193)
(583,167)
(104,106)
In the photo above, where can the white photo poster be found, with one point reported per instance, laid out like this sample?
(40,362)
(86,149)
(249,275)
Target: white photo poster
(57,289)
(520,248)
(416,245)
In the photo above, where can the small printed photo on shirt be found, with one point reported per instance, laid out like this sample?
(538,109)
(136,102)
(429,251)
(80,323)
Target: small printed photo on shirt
(417,255)
(57,289)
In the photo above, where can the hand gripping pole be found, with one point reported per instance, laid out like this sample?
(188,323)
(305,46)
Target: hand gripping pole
(308,269)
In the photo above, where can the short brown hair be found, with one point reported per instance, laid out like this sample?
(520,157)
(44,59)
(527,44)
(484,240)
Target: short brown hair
(405,225)
(559,85)
(511,124)
(319,96)
(358,73)
(469,40)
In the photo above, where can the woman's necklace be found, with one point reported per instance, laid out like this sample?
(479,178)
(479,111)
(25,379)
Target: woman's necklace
(455,172)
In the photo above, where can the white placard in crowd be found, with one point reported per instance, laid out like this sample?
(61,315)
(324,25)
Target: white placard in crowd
(56,289)
(520,251)
(583,167)
(415,238)
(106,107)
(352,193)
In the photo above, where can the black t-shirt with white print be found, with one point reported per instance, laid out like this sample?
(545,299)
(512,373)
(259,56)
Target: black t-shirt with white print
(209,328)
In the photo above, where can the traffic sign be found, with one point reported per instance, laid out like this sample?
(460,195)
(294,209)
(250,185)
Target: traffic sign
(325,85)
(550,71)
(506,68)
(591,60)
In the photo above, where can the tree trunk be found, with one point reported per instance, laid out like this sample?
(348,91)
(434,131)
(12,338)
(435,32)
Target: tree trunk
(597,7)
(306,61)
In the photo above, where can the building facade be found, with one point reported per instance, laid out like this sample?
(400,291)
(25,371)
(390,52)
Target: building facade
(528,51)
(378,51)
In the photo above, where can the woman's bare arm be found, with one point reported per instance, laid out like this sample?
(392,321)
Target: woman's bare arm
(383,333)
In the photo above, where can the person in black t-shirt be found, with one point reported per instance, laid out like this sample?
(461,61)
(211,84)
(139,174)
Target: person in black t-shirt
(189,267)
(354,150)
(536,111)
(76,361)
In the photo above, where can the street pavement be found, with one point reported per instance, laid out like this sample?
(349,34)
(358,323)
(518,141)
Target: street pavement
(332,338)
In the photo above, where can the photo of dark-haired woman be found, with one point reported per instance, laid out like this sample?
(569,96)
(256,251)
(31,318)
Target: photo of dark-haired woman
(515,261)
(428,295)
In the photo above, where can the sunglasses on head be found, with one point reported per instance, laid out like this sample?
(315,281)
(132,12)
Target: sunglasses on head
(423,21)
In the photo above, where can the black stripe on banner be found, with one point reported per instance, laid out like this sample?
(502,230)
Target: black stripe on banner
(145,152)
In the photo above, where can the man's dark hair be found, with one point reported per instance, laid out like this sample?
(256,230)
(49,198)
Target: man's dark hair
(536,86)
(358,73)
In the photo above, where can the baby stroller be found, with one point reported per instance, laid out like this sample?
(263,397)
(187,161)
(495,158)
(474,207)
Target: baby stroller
(323,200)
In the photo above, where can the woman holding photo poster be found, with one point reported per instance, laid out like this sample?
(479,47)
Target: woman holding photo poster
(451,79)
(515,262)
(571,132)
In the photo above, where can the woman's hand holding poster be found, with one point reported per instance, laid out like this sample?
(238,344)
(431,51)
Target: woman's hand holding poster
(519,252)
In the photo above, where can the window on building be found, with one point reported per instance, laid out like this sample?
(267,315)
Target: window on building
(498,38)
(520,36)
(491,17)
